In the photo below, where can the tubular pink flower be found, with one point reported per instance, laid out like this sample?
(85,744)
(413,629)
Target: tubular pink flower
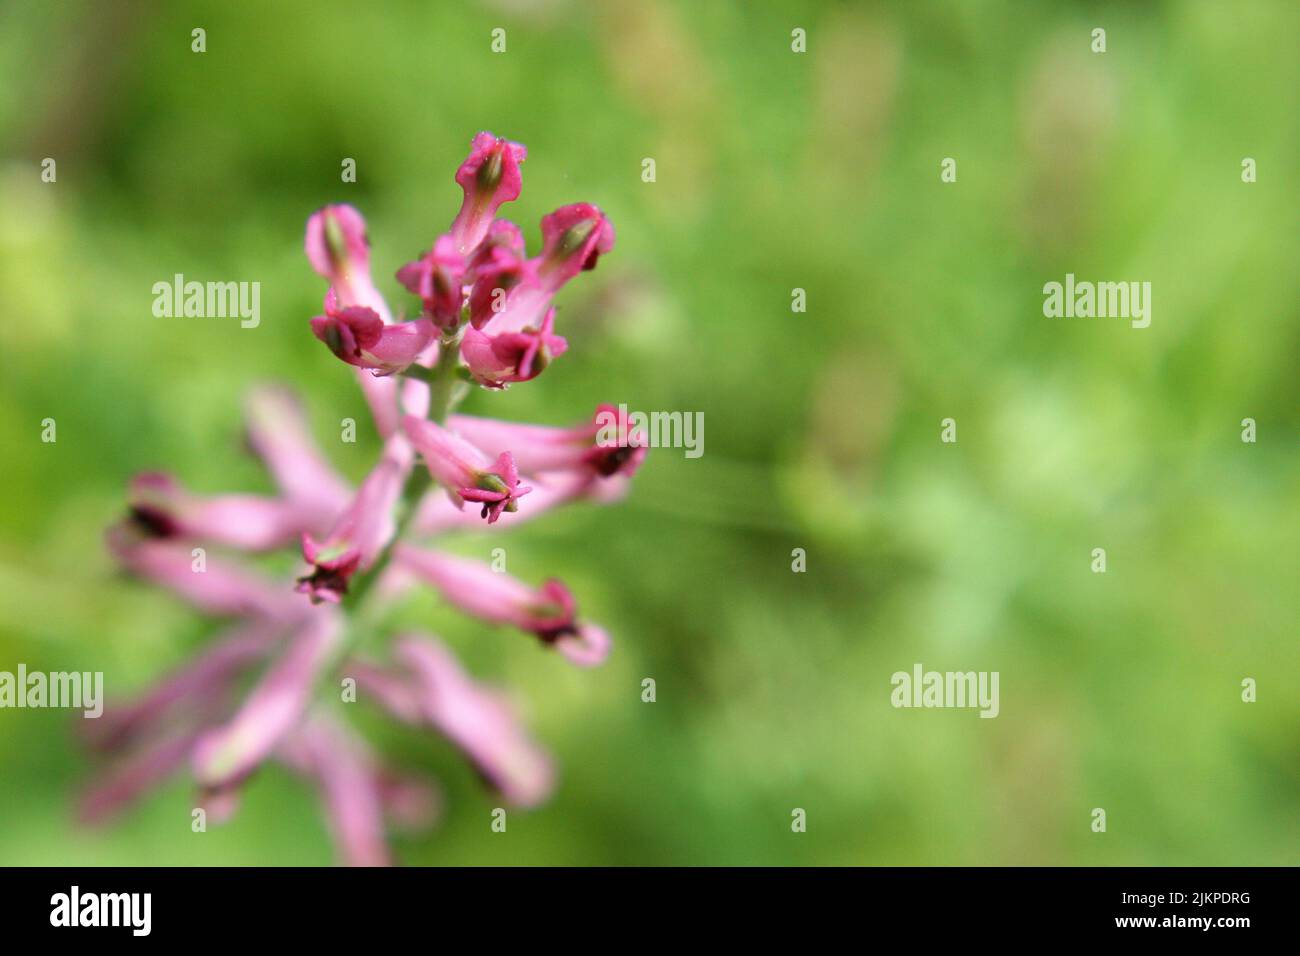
(130,778)
(339,250)
(496,267)
(436,277)
(479,721)
(482,297)
(204,680)
(490,177)
(210,584)
(476,589)
(466,471)
(362,531)
(408,802)
(437,514)
(344,769)
(229,753)
(359,337)
(249,522)
(605,446)
(573,239)
(278,433)
(497,360)
(548,611)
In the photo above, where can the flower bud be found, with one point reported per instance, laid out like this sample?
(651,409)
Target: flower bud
(489,177)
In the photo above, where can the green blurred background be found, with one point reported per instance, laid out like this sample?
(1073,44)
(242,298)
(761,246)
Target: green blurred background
(775,170)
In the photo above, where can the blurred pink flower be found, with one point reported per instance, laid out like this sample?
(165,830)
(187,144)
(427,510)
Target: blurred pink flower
(260,691)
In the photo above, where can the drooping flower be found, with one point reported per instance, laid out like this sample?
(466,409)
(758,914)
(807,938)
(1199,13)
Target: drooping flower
(606,445)
(496,360)
(358,336)
(466,471)
(226,754)
(278,434)
(362,531)
(548,611)
(214,585)
(159,503)
(437,278)
(351,785)
(496,267)
(432,689)
(552,490)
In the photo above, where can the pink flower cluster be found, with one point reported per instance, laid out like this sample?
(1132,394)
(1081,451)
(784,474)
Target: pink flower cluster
(485,317)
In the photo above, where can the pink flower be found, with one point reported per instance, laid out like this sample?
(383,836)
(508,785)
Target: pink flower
(605,446)
(338,249)
(436,277)
(496,360)
(496,268)
(209,583)
(200,684)
(351,787)
(438,514)
(516,337)
(200,716)
(362,531)
(229,753)
(140,771)
(358,336)
(489,177)
(547,611)
(249,522)
(573,239)
(466,471)
(277,432)
(479,721)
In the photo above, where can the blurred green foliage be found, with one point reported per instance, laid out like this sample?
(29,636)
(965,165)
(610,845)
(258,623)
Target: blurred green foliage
(775,170)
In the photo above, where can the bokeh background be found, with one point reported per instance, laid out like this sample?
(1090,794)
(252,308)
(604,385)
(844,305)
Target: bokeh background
(775,170)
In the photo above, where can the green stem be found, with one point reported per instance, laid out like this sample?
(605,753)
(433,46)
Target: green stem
(446,389)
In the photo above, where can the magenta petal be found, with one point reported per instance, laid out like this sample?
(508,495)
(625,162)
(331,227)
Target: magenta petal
(479,721)
(573,238)
(201,681)
(452,461)
(490,177)
(587,645)
(275,705)
(476,589)
(120,785)
(164,509)
(209,583)
(337,248)
(278,433)
(604,446)
(363,530)
(344,769)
